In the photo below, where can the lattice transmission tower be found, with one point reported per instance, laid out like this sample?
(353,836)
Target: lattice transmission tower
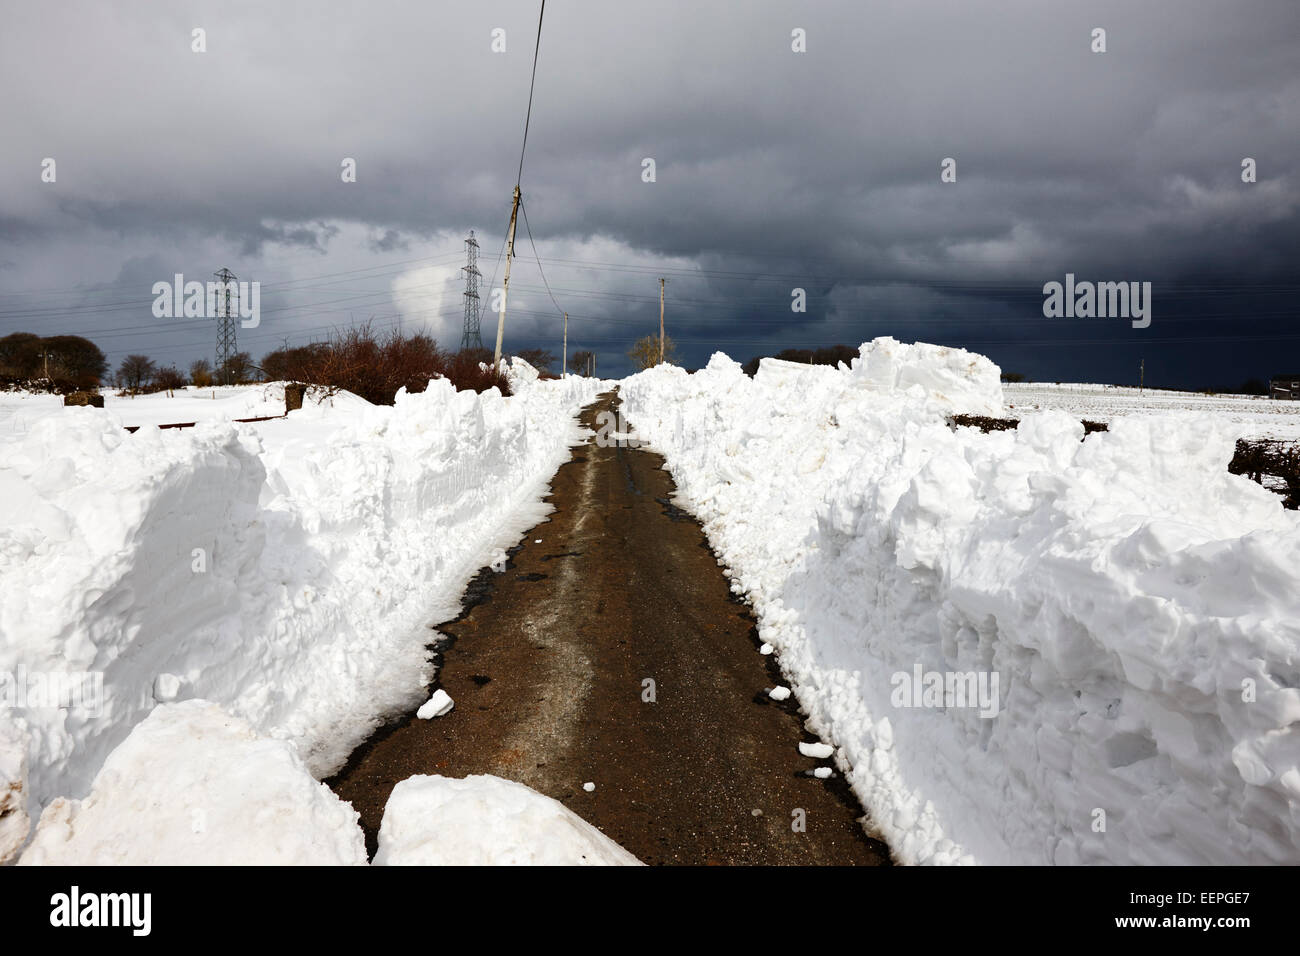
(471,339)
(227,320)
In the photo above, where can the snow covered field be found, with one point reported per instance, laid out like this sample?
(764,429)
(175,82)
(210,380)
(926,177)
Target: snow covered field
(19,411)
(286,571)
(1027,647)
(1253,416)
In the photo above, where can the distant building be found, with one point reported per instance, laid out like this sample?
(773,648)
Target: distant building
(1285,386)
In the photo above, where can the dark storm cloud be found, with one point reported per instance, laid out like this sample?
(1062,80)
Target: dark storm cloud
(774,170)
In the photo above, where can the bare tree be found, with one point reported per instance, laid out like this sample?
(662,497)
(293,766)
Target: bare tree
(201,373)
(540,359)
(645,354)
(580,363)
(237,370)
(135,372)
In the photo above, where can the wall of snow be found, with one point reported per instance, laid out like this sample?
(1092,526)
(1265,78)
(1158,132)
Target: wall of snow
(288,571)
(1138,606)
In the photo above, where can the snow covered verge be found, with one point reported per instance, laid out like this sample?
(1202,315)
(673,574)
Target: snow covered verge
(192,785)
(1027,647)
(287,571)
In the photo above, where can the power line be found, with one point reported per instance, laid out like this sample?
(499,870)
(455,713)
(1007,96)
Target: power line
(524,209)
(531,84)
(98,308)
(515,199)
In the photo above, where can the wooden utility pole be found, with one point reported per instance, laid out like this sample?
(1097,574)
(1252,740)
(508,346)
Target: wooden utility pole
(661,320)
(505,287)
(564,360)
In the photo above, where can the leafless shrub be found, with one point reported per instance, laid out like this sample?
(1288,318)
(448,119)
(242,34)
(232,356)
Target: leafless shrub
(1259,458)
(376,366)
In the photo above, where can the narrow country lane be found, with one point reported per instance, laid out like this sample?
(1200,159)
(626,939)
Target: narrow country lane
(548,668)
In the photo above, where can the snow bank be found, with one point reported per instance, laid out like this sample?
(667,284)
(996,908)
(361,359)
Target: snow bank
(192,785)
(287,571)
(487,821)
(1117,618)
(14,821)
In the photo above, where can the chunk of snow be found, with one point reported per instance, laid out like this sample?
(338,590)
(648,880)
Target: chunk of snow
(192,785)
(166,688)
(779,693)
(818,750)
(589,786)
(486,821)
(14,821)
(766,649)
(437,705)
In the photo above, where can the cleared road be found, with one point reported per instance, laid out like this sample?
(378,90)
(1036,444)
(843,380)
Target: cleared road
(549,666)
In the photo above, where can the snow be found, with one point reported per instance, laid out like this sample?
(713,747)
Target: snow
(1253,416)
(1020,647)
(287,571)
(19,411)
(487,821)
(14,821)
(192,785)
(1135,607)
(589,787)
(437,705)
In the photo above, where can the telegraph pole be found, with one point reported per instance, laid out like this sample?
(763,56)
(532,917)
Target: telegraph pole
(505,288)
(564,356)
(661,320)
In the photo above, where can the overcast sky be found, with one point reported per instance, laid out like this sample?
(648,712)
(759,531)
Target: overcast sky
(775,170)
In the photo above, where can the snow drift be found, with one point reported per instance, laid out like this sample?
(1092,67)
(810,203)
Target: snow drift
(1135,607)
(287,571)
